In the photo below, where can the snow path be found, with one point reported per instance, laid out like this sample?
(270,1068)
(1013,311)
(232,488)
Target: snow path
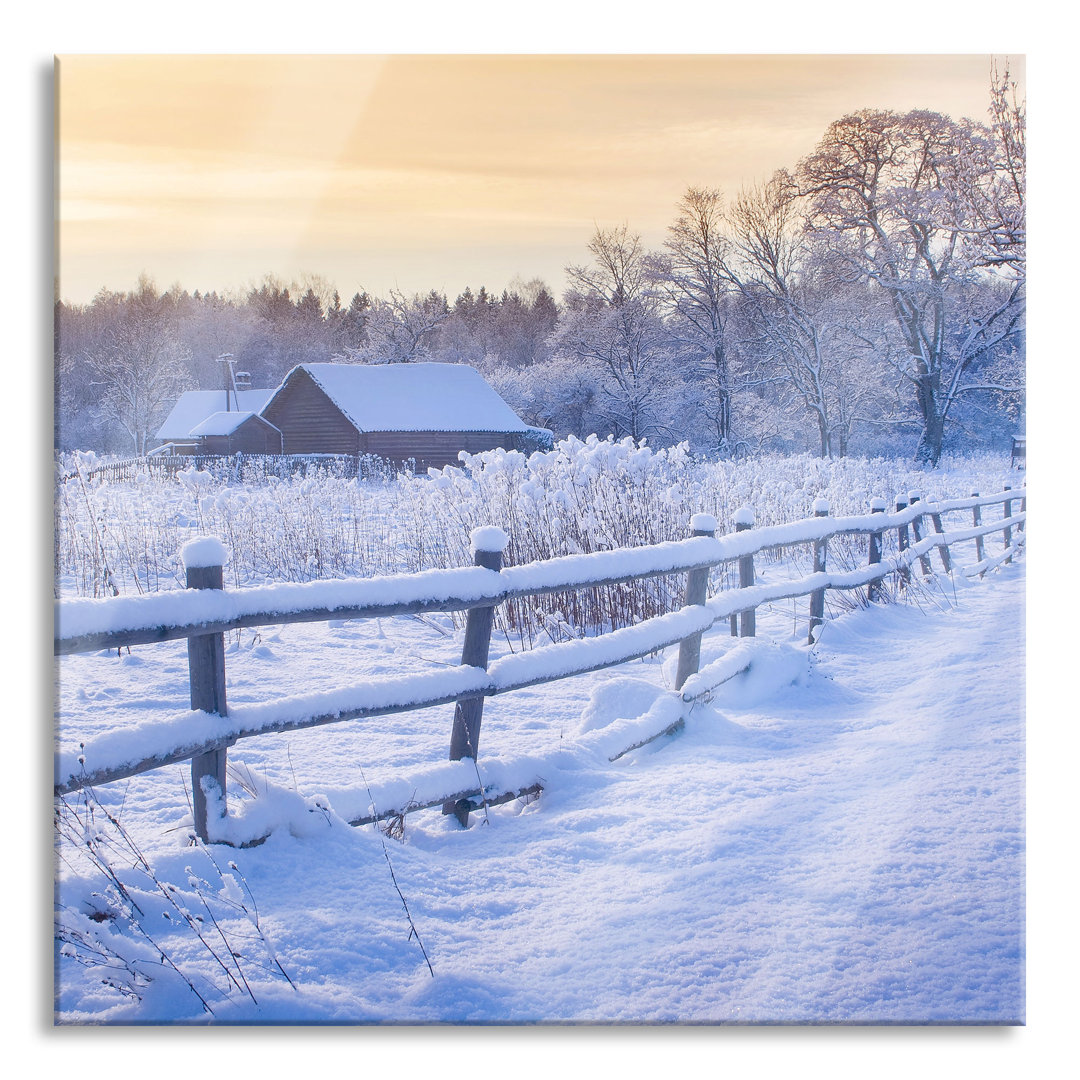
(850,849)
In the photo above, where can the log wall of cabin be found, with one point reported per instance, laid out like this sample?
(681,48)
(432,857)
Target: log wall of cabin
(310,423)
(432,448)
(252,437)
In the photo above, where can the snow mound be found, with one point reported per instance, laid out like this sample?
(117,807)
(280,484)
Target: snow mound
(772,668)
(617,699)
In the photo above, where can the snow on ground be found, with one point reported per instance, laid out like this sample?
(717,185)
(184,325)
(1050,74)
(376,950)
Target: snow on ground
(841,842)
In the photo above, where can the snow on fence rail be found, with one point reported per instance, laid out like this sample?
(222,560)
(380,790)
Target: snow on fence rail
(205,612)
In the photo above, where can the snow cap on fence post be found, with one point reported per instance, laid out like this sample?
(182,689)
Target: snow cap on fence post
(743,517)
(877,505)
(204,551)
(821,507)
(703,524)
(488,538)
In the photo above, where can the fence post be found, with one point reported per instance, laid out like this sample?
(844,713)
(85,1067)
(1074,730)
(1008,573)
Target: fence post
(976,520)
(488,544)
(902,542)
(916,528)
(1008,529)
(943,549)
(204,559)
(744,519)
(817,597)
(873,590)
(697,587)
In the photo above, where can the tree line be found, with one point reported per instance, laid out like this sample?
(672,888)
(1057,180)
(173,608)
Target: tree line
(869,299)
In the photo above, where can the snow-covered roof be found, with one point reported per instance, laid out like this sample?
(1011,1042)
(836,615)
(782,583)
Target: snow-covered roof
(223,423)
(414,397)
(195,406)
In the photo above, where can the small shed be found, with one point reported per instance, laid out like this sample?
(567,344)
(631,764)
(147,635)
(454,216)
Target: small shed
(422,412)
(1019,452)
(194,406)
(235,433)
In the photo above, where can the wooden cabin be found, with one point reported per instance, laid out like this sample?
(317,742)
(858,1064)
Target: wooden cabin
(426,413)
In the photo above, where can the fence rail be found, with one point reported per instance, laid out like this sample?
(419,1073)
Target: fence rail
(205,612)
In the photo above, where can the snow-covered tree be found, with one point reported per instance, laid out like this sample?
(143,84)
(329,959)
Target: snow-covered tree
(611,323)
(693,278)
(399,329)
(904,200)
(139,367)
(804,328)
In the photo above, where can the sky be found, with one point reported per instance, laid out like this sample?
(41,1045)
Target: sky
(414,172)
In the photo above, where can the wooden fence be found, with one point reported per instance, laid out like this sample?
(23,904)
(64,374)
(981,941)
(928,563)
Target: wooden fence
(239,467)
(205,612)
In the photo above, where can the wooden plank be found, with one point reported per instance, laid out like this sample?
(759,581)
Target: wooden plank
(152,634)
(471,799)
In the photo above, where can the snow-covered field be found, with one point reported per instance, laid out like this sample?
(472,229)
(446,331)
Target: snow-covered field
(838,838)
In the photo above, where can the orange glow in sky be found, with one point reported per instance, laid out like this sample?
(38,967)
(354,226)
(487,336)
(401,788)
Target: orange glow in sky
(421,172)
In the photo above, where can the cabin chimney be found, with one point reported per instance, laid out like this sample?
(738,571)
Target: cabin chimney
(228,382)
